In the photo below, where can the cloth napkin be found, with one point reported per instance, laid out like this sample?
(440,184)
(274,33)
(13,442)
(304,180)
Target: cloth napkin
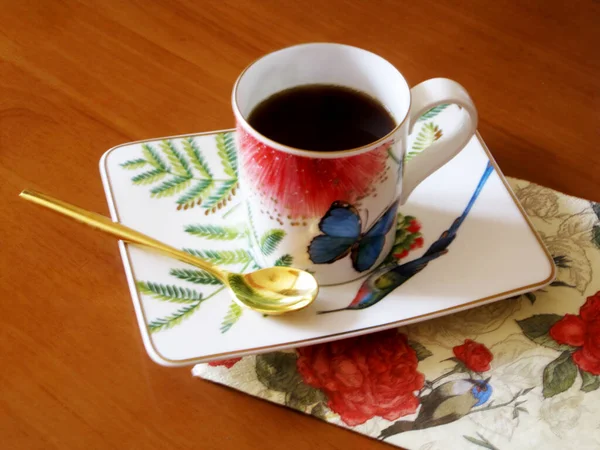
(515,374)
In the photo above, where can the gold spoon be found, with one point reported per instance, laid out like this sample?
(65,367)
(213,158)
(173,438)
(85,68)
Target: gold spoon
(274,290)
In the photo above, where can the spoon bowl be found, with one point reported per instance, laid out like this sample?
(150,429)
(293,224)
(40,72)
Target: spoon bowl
(273,290)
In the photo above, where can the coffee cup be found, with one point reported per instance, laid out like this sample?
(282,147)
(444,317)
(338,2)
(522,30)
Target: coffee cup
(334,212)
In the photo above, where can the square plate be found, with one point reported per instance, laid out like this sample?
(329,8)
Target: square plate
(178,190)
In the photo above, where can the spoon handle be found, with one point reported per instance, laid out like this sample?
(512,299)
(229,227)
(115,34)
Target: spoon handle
(118,230)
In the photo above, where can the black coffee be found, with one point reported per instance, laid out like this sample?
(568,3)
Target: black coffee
(321,117)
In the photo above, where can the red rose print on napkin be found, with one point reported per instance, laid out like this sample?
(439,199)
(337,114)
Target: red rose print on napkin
(577,338)
(364,377)
(229,363)
(474,356)
(582,331)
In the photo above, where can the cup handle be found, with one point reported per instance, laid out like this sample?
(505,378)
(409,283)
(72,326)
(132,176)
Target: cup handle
(427,95)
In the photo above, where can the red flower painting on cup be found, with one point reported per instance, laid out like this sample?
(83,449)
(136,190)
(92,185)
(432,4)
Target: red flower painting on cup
(304,187)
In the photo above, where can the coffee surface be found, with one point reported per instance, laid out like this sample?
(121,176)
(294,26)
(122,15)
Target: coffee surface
(321,118)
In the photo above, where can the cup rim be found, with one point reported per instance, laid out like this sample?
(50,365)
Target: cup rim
(313,153)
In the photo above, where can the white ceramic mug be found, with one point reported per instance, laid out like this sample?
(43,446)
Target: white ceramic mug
(334,213)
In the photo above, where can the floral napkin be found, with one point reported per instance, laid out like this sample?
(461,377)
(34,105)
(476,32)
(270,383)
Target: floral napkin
(516,374)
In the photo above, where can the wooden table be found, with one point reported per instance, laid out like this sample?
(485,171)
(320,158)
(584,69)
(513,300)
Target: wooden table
(78,77)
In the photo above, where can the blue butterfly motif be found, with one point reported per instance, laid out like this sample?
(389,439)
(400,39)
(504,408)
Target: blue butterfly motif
(342,235)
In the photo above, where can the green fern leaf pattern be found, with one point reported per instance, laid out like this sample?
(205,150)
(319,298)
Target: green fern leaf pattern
(253,236)
(433,112)
(270,240)
(227,152)
(134,164)
(427,136)
(198,161)
(233,315)
(214,232)
(177,160)
(170,187)
(223,194)
(165,323)
(224,257)
(195,276)
(191,174)
(169,293)
(149,177)
(195,195)
(285,261)
(154,158)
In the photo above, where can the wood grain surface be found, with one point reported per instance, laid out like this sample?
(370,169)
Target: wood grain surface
(78,77)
